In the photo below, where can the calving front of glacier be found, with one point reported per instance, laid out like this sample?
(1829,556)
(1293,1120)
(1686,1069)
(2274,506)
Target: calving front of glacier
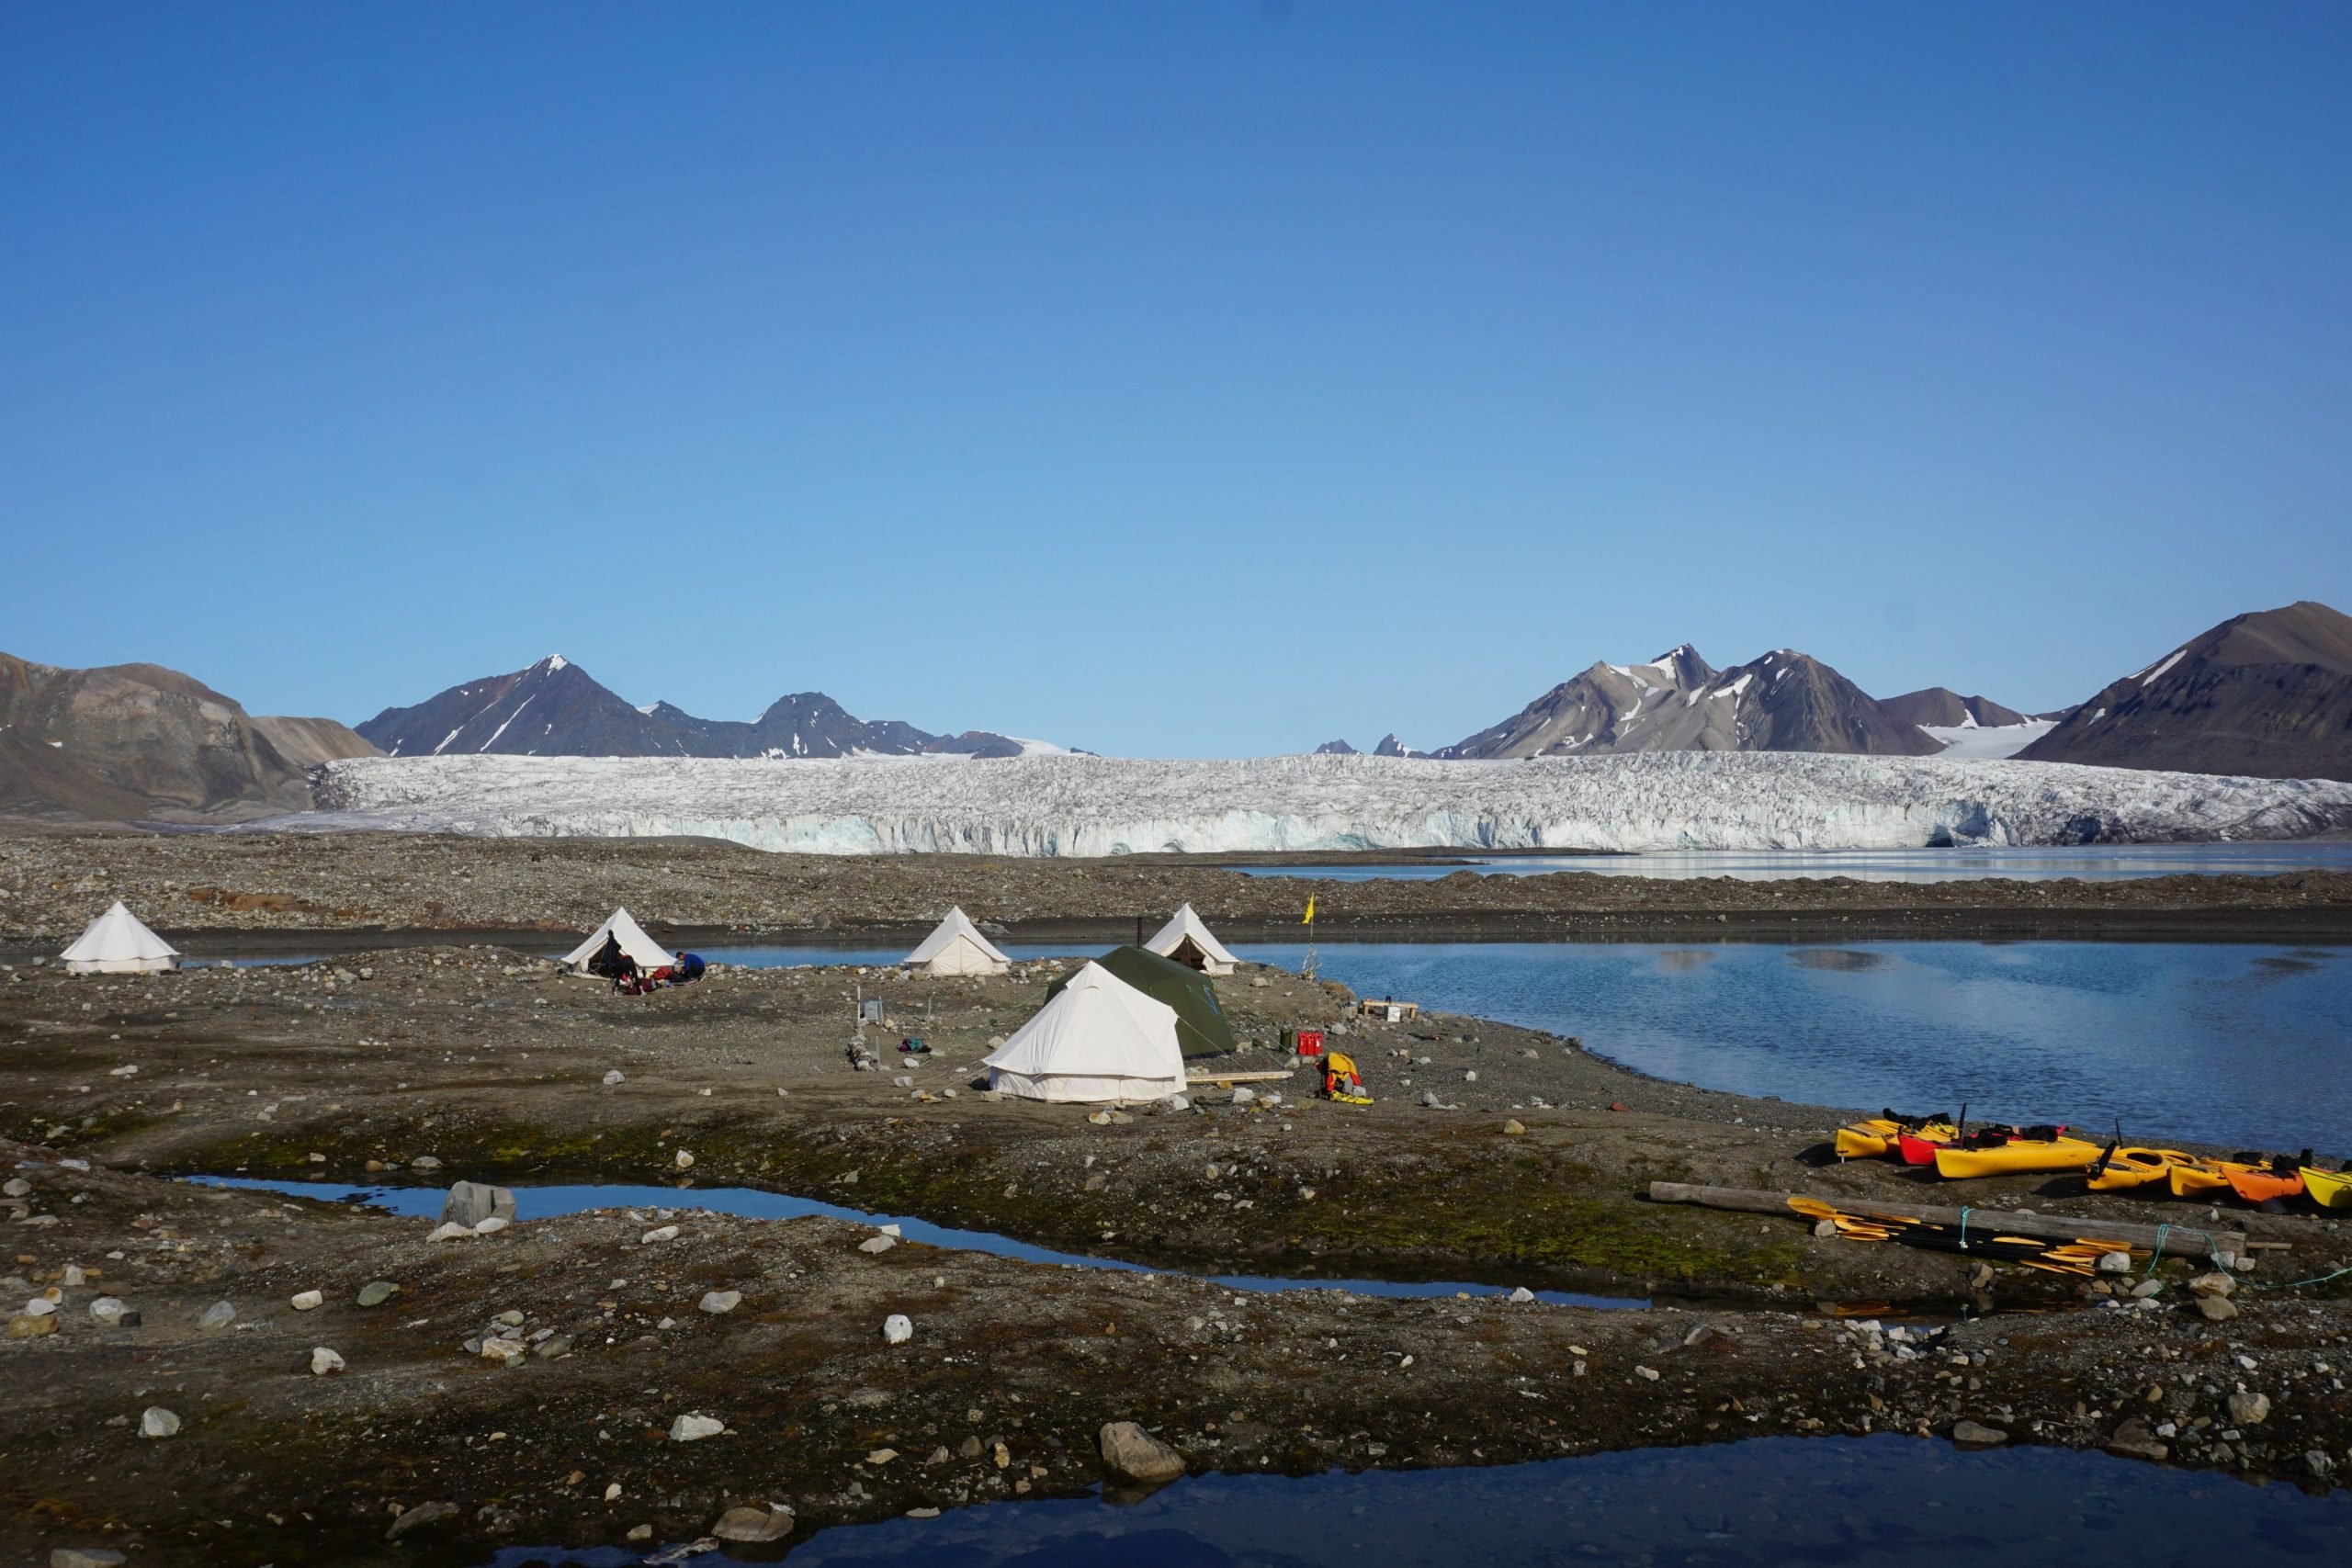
(1110,805)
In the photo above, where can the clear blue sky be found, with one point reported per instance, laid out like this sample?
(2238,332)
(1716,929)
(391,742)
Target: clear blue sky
(1173,379)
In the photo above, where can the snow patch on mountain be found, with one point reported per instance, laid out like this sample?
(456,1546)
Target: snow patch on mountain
(1104,806)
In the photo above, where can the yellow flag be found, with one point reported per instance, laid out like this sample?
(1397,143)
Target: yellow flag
(1310,911)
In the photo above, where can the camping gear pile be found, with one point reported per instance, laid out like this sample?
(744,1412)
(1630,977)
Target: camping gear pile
(1341,1081)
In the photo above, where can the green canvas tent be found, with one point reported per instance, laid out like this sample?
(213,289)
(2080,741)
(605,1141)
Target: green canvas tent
(1201,1029)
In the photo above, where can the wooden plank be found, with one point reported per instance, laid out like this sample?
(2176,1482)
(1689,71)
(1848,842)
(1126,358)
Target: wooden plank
(1221,1079)
(2178,1241)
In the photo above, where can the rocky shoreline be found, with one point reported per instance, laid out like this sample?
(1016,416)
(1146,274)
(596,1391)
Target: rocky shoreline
(516,1379)
(237,886)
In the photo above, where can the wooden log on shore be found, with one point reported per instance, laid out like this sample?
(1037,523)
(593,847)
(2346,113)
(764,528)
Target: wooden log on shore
(2178,1241)
(1225,1079)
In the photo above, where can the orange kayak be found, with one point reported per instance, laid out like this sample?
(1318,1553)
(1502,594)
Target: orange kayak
(2251,1183)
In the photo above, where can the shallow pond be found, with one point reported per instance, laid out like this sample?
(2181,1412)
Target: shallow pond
(2223,1043)
(554,1202)
(1885,1502)
(2090,862)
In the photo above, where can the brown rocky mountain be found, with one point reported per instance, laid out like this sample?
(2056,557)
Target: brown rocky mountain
(138,741)
(1783,702)
(306,742)
(1946,709)
(2268,695)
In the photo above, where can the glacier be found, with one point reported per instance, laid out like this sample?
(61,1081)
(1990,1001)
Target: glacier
(1076,805)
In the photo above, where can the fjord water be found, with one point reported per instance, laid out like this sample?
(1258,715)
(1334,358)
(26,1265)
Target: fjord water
(2220,1042)
(2090,863)
(1883,1502)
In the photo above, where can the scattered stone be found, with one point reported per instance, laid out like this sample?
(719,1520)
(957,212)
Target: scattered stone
(754,1525)
(376,1292)
(157,1422)
(1971,1435)
(2213,1284)
(71,1277)
(111,1311)
(1138,1455)
(24,1325)
(449,1231)
(323,1360)
(881,1456)
(639,1532)
(553,1346)
(716,1302)
(1521,1295)
(1697,1336)
(2249,1409)
(2115,1263)
(1243,1094)
(17,1187)
(2216,1309)
(694,1428)
(684,1160)
(1646,1373)
(878,1244)
(305,1300)
(470,1202)
(1825,1230)
(1512,1127)
(969,1447)
(615,1075)
(939,1456)
(491,1225)
(220,1314)
(2147,1288)
(2133,1440)
(83,1557)
(427,1162)
(896,1329)
(418,1517)
(659,1232)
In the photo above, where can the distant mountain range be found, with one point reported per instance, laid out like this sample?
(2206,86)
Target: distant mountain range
(2267,694)
(554,708)
(132,741)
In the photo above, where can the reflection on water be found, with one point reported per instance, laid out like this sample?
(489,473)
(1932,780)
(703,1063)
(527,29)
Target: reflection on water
(1884,1502)
(2225,1044)
(2095,863)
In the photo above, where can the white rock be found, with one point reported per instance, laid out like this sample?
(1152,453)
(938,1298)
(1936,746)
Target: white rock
(897,1329)
(2115,1263)
(305,1300)
(720,1300)
(694,1428)
(220,1314)
(40,1306)
(878,1244)
(491,1225)
(74,1277)
(505,1351)
(615,1075)
(157,1422)
(1522,1295)
(659,1232)
(110,1310)
(323,1360)
(448,1230)
(684,1160)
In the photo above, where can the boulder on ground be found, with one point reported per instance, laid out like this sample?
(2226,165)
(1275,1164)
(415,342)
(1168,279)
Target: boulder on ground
(754,1525)
(1137,1454)
(470,1202)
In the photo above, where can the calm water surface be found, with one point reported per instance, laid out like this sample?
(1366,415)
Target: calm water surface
(554,1202)
(2094,862)
(2221,1042)
(1883,1502)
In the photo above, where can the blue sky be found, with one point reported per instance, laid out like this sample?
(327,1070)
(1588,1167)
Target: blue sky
(1172,378)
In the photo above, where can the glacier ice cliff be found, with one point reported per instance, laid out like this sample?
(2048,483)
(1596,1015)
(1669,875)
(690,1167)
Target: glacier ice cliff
(1108,805)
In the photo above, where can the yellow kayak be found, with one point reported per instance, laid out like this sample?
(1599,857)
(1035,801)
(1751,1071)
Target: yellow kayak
(2130,1167)
(2328,1188)
(1875,1137)
(2022,1156)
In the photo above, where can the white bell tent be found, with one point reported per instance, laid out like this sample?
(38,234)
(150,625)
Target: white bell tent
(1099,1039)
(1188,941)
(117,944)
(956,947)
(649,953)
